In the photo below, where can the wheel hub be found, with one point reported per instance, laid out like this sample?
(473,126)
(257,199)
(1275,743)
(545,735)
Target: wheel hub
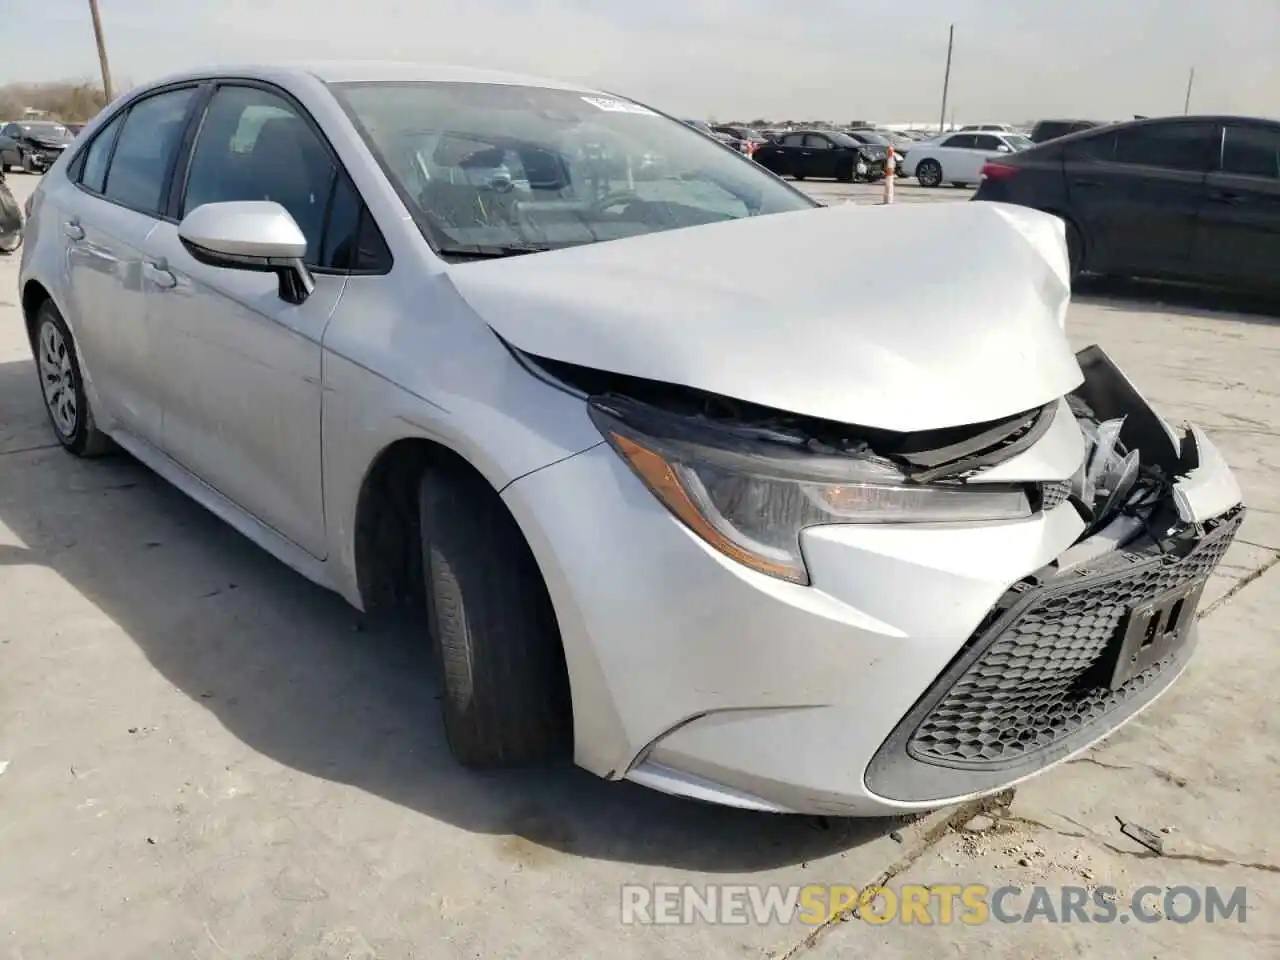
(57,377)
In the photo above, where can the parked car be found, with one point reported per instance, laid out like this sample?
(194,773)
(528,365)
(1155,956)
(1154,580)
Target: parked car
(988,128)
(35,144)
(823,154)
(885,138)
(764,544)
(729,141)
(750,139)
(1184,198)
(957,158)
(1052,129)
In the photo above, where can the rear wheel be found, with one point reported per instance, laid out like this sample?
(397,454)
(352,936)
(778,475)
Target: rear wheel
(62,385)
(929,173)
(506,691)
(1075,250)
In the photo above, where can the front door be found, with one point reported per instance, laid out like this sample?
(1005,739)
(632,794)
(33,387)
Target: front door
(820,156)
(242,389)
(1238,234)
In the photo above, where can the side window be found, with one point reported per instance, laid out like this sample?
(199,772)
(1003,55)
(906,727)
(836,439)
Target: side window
(253,145)
(1252,152)
(94,173)
(817,142)
(1099,147)
(987,142)
(792,140)
(352,241)
(145,150)
(963,141)
(1174,146)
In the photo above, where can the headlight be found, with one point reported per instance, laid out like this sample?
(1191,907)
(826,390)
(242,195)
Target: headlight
(750,498)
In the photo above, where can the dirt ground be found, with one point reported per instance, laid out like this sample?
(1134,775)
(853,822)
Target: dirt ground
(202,755)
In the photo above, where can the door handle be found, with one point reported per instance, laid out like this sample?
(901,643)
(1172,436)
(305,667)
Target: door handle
(73,229)
(157,272)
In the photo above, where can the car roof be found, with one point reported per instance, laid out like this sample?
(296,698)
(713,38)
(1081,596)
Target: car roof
(368,71)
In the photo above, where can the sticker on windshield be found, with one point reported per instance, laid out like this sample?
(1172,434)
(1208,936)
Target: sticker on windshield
(618,106)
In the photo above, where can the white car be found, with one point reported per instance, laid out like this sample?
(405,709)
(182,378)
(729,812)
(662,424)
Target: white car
(957,158)
(800,535)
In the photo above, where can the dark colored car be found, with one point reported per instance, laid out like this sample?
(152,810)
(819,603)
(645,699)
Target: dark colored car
(1181,198)
(729,141)
(882,138)
(822,154)
(36,144)
(1045,130)
(753,139)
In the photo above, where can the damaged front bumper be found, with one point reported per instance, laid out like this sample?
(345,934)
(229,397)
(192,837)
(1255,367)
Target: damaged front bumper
(922,664)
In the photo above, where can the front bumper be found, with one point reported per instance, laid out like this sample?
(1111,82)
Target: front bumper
(924,665)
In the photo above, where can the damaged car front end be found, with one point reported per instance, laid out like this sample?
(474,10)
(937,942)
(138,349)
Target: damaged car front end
(880,621)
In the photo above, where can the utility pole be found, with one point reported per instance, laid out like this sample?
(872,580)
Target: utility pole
(1186,104)
(102,50)
(946,78)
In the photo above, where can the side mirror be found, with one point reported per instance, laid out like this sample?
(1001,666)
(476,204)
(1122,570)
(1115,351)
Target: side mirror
(257,235)
(1003,149)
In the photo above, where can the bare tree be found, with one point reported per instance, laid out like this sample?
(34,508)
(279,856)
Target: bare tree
(68,100)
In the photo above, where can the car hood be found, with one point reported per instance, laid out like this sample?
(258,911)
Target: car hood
(902,318)
(48,143)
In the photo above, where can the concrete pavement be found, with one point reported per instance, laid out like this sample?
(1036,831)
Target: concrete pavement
(209,757)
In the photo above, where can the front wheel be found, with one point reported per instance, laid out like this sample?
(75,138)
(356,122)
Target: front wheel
(929,173)
(506,690)
(62,385)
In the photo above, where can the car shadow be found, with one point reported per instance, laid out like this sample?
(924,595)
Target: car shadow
(301,677)
(1126,295)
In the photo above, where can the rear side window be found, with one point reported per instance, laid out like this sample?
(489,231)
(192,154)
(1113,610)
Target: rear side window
(1251,152)
(988,142)
(1172,146)
(94,176)
(145,151)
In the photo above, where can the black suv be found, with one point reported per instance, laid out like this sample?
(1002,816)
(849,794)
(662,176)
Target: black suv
(1052,129)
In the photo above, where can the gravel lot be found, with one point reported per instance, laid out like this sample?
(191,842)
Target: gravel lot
(209,757)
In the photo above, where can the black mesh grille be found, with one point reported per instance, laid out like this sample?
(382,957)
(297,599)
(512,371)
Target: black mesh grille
(1052,494)
(1044,670)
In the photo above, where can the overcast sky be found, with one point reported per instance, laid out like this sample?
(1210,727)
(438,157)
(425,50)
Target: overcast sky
(833,59)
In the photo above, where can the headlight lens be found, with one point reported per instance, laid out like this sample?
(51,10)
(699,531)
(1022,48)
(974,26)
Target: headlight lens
(750,499)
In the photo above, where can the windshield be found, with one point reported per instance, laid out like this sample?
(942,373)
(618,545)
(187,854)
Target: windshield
(867,136)
(843,140)
(497,169)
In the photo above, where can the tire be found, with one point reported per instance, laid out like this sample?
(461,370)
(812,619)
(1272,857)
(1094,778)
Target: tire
(64,400)
(797,176)
(845,176)
(505,698)
(929,173)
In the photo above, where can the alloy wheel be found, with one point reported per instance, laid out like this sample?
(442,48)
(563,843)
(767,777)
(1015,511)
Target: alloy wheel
(58,378)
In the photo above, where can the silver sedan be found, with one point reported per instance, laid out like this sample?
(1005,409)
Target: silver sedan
(584,389)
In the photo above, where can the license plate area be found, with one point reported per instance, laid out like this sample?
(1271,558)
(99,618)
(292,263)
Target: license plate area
(1154,629)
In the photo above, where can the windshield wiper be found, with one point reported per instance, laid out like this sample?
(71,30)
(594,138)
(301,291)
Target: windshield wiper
(484,251)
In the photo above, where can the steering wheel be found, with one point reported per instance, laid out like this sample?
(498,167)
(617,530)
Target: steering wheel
(614,199)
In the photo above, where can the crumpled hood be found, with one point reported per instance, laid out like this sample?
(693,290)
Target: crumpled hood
(905,317)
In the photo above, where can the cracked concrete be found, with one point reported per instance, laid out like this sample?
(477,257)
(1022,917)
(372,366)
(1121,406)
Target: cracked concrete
(207,757)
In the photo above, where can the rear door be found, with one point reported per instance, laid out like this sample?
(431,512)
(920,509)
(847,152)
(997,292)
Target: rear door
(782,157)
(1136,193)
(1238,234)
(122,179)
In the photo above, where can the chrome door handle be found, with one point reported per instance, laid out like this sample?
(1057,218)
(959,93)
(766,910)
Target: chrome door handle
(73,229)
(157,272)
